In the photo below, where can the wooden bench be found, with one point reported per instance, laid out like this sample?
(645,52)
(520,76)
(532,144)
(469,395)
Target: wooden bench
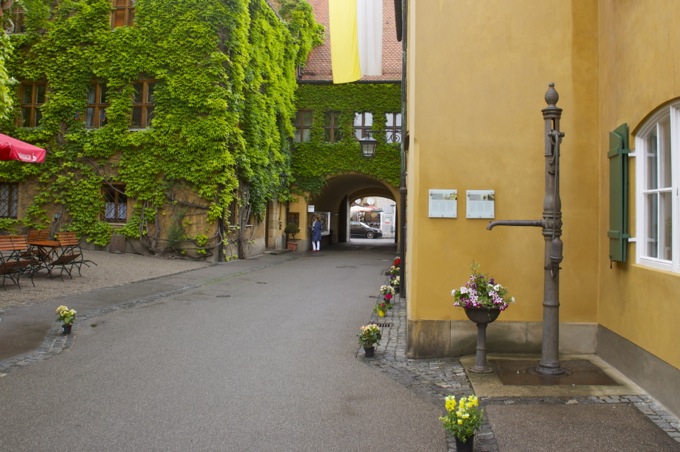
(15,259)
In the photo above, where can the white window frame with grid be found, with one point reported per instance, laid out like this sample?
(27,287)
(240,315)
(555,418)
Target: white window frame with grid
(657,175)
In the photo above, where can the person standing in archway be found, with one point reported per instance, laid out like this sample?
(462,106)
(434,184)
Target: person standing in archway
(316,234)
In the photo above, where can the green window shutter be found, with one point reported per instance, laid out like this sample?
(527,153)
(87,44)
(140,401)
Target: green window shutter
(618,193)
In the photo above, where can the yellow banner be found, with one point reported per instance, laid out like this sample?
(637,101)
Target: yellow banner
(344,41)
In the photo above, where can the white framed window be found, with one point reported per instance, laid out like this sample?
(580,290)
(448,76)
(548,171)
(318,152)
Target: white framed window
(393,127)
(363,123)
(657,146)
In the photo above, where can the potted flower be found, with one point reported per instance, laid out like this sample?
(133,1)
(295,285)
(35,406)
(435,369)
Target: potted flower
(381,308)
(463,418)
(394,282)
(483,300)
(291,229)
(482,293)
(66,316)
(369,338)
(387,293)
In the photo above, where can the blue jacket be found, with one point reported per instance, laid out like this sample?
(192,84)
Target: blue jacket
(316,231)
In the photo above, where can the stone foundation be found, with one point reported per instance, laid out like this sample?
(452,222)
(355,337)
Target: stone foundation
(439,338)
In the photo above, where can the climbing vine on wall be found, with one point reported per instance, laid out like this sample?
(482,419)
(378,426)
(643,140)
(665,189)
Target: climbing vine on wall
(223,77)
(315,160)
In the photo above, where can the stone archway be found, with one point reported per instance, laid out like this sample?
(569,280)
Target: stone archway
(340,191)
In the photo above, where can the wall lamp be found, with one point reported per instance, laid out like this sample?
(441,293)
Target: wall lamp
(368,145)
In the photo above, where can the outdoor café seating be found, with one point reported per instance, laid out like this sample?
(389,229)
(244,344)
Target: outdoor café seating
(27,255)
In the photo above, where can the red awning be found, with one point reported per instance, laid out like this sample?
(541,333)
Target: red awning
(13,149)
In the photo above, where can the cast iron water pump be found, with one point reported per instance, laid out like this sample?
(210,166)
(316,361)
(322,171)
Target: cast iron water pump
(552,231)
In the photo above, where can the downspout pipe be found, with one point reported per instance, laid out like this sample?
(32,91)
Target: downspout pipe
(404,147)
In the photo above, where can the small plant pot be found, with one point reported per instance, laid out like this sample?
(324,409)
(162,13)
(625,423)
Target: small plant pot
(66,328)
(369,351)
(292,246)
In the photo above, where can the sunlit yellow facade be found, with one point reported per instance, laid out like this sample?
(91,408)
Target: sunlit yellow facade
(477,73)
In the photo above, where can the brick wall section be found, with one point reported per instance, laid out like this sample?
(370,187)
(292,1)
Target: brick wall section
(319,63)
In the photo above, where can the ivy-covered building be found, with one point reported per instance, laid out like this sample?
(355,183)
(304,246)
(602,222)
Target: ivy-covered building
(167,123)
(328,168)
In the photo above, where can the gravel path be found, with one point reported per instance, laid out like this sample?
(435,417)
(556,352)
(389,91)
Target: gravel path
(111,270)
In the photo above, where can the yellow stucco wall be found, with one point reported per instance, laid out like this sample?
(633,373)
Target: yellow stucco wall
(477,74)
(477,78)
(640,57)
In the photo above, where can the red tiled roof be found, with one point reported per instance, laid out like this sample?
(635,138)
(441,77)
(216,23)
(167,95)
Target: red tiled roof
(318,65)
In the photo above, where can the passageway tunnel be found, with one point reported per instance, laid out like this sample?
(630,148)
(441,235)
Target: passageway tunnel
(338,194)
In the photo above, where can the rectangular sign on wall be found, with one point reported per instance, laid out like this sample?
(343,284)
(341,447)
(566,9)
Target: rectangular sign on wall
(443,204)
(480,204)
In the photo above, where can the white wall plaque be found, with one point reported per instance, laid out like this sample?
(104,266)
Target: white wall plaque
(443,204)
(480,204)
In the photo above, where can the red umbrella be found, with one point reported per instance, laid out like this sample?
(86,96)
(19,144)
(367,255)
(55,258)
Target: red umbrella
(13,149)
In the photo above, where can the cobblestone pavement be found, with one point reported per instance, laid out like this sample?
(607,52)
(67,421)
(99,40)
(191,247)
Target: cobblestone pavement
(434,379)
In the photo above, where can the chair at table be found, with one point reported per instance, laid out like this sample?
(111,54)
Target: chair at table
(70,255)
(37,235)
(15,260)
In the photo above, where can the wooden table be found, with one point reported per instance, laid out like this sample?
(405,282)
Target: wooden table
(46,251)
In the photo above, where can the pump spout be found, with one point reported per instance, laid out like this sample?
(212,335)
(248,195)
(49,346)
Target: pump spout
(537,223)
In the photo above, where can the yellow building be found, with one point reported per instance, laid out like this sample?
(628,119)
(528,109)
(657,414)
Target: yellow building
(477,73)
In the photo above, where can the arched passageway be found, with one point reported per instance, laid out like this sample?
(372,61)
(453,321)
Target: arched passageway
(338,194)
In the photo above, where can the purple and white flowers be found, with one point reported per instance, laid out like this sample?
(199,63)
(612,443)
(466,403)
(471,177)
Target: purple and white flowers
(480,293)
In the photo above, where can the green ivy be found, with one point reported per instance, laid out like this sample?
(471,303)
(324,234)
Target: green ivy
(6,81)
(315,160)
(224,73)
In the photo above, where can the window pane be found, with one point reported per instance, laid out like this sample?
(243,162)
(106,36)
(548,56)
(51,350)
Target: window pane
(9,200)
(149,116)
(139,93)
(27,97)
(137,117)
(89,117)
(652,160)
(666,227)
(306,135)
(665,153)
(4,200)
(149,92)
(109,211)
(40,96)
(393,127)
(652,225)
(26,117)
(92,94)
(307,119)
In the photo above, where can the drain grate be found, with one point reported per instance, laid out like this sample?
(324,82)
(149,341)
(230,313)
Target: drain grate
(384,325)
(223,296)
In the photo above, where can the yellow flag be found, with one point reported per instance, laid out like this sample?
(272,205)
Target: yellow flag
(344,41)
